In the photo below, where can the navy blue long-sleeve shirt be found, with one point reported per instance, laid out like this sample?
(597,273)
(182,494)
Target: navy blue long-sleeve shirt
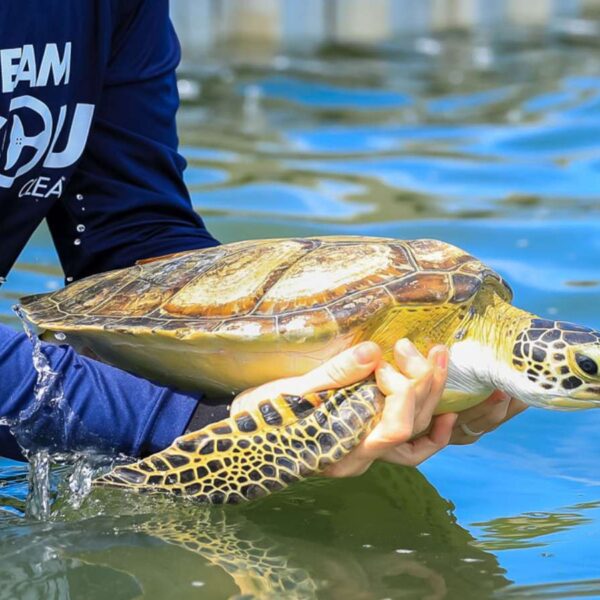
(87,138)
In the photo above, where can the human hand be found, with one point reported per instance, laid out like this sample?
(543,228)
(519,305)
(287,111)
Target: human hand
(407,433)
(485,417)
(412,391)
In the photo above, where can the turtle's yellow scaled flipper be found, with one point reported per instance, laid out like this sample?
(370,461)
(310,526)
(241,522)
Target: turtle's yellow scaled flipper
(252,454)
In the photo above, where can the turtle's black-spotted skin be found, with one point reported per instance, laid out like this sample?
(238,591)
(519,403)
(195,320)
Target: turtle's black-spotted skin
(252,454)
(541,352)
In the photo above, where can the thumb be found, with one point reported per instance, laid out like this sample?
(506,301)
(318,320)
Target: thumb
(346,368)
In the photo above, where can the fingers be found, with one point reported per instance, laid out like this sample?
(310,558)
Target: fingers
(420,449)
(413,364)
(412,393)
(395,427)
(427,377)
(515,408)
(348,367)
(396,424)
(410,360)
(438,357)
(498,401)
(486,417)
(410,454)
(438,438)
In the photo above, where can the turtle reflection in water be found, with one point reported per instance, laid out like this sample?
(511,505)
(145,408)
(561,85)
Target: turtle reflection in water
(305,543)
(241,314)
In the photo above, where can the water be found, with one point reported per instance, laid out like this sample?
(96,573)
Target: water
(491,144)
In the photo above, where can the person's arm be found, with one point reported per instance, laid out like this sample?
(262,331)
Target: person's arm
(128,191)
(102,408)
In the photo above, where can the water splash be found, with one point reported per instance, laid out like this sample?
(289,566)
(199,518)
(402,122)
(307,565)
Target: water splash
(80,481)
(48,387)
(48,441)
(38,505)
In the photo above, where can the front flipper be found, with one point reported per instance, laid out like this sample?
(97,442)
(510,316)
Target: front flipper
(254,453)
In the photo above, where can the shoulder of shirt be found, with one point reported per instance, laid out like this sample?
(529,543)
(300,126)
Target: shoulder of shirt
(143,43)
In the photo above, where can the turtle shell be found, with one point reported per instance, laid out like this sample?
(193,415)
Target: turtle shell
(261,291)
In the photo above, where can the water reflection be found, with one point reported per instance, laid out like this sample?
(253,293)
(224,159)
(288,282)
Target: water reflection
(366,538)
(524,531)
(489,142)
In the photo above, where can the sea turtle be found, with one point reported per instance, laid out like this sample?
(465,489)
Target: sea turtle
(238,315)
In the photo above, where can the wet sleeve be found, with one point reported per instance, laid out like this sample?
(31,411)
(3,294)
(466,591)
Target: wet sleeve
(127,199)
(84,405)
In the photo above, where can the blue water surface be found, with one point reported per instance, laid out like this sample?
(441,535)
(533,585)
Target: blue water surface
(502,160)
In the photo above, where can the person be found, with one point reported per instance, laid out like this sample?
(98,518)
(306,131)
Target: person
(88,142)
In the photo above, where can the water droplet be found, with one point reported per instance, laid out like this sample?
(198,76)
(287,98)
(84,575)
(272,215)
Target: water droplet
(428,46)
(282,63)
(80,228)
(460,334)
(60,336)
(80,482)
(471,560)
(197,584)
(77,242)
(367,545)
(514,116)
(79,197)
(82,208)
(483,57)
(188,89)
(38,499)
(69,279)
(403,551)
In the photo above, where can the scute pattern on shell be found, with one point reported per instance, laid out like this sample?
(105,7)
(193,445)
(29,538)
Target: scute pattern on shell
(326,281)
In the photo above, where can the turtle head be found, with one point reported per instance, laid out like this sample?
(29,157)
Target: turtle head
(560,363)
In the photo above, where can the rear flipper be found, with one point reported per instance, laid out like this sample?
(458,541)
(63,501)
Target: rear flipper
(252,454)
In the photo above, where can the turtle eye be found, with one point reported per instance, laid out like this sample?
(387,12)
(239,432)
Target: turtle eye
(586,364)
